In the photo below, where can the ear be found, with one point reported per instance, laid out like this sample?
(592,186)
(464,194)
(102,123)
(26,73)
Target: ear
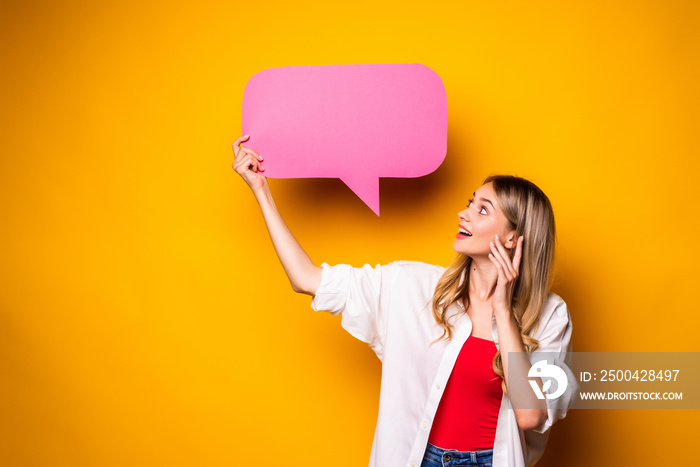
(510,239)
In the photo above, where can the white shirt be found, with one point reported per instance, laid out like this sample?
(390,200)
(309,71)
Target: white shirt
(390,308)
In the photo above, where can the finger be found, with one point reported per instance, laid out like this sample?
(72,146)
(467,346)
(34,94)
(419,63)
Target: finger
(499,269)
(503,261)
(500,264)
(247,163)
(518,254)
(254,165)
(240,151)
(505,255)
(238,142)
(250,151)
(243,160)
(240,139)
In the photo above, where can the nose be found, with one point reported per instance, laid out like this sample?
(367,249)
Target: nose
(464,214)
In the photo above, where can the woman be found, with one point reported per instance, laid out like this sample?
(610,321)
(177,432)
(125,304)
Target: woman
(454,342)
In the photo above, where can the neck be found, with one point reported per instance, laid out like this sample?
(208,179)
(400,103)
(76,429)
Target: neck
(482,279)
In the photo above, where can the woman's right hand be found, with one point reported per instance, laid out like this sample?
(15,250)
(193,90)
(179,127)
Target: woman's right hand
(303,274)
(247,163)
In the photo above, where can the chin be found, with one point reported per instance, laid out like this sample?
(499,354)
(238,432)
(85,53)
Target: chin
(469,252)
(459,250)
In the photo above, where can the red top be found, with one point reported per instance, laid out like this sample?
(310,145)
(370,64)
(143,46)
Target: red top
(468,412)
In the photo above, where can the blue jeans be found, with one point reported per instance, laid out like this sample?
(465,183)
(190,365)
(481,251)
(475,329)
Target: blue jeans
(438,457)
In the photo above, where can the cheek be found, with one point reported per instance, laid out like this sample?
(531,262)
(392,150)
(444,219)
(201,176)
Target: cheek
(485,227)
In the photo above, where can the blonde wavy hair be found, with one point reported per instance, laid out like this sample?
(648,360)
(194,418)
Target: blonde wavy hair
(530,214)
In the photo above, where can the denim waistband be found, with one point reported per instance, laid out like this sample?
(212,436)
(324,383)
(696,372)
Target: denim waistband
(453,457)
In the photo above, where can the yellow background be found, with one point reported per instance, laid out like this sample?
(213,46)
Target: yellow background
(145,319)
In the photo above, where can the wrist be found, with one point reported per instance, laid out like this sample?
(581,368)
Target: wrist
(502,313)
(262,193)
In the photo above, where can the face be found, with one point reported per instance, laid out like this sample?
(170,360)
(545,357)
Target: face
(480,222)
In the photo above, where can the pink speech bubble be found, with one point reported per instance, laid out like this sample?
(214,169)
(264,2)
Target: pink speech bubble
(353,122)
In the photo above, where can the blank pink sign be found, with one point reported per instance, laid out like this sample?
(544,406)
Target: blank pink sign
(353,122)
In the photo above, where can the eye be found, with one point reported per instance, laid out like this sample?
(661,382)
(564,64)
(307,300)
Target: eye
(481,211)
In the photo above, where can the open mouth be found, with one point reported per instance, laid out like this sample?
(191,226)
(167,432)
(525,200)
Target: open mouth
(464,232)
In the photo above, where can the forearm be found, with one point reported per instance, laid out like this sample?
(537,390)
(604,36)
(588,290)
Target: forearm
(531,412)
(303,274)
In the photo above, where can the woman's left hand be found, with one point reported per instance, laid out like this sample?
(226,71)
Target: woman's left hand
(508,272)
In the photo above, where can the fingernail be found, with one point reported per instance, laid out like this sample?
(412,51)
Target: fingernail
(263,168)
(492,244)
(260,157)
(247,136)
(496,236)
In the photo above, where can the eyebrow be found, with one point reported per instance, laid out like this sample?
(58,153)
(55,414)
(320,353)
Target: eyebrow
(484,199)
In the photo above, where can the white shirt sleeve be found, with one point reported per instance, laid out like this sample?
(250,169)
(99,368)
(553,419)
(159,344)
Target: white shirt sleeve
(555,340)
(356,293)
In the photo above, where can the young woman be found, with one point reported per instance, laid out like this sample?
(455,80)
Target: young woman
(455,343)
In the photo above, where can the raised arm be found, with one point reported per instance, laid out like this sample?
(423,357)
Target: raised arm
(303,274)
